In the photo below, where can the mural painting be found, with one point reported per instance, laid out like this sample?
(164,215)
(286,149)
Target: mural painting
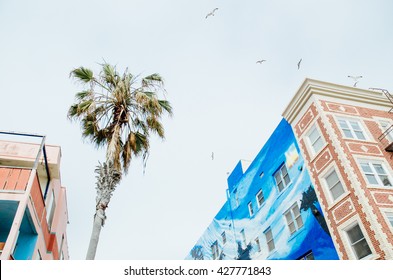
(271,211)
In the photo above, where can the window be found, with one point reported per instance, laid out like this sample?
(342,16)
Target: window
(307,257)
(335,187)
(224,238)
(386,128)
(250,210)
(376,173)
(243,234)
(282,178)
(315,140)
(258,244)
(260,198)
(269,239)
(294,219)
(352,129)
(358,242)
(215,252)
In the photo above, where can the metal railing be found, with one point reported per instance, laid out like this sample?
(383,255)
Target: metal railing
(40,154)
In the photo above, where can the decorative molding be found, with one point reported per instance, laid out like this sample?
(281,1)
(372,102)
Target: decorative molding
(314,87)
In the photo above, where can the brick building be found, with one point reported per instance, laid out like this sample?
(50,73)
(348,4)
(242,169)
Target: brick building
(344,134)
(330,161)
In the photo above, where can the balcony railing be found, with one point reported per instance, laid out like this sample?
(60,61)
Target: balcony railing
(13,164)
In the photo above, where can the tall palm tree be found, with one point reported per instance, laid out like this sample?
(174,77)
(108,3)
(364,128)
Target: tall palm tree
(119,112)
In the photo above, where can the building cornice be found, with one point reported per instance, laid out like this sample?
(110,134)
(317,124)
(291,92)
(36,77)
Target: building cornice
(312,87)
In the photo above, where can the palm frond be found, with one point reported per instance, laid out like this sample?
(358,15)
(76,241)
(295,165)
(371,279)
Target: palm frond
(166,106)
(83,94)
(155,126)
(83,74)
(100,137)
(72,111)
(152,80)
(109,74)
(89,127)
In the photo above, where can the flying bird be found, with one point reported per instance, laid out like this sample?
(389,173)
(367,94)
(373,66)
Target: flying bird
(260,61)
(298,64)
(356,79)
(211,13)
(212,155)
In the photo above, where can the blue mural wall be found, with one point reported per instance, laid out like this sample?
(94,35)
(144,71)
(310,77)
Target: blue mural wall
(271,210)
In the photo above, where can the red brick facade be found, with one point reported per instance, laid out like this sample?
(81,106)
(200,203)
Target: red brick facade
(361,203)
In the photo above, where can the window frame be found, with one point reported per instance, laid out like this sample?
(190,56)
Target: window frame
(250,209)
(370,162)
(352,129)
(352,243)
(294,218)
(270,240)
(310,144)
(282,177)
(306,256)
(380,122)
(338,175)
(258,200)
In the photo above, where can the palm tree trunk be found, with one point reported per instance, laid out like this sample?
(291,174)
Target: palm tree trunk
(95,234)
(107,179)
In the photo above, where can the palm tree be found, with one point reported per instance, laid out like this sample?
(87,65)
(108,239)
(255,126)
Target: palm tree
(119,112)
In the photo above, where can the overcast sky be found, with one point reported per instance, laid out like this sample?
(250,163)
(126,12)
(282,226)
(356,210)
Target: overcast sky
(223,101)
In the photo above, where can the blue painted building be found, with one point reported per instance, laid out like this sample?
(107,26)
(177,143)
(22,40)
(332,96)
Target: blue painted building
(271,211)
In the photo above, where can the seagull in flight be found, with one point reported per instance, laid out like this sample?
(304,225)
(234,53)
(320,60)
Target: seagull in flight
(260,61)
(212,155)
(211,13)
(356,79)
(298,64)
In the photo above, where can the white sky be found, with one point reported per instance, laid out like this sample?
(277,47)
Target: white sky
(223,101)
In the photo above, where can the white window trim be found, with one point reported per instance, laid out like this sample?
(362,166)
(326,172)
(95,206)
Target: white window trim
(347,242)
(322,179)
(267,241)
(363,127)
(250,209)
(310,148)
(297,228)
(256,197)
(282,178)
(378,120)
(385,165)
